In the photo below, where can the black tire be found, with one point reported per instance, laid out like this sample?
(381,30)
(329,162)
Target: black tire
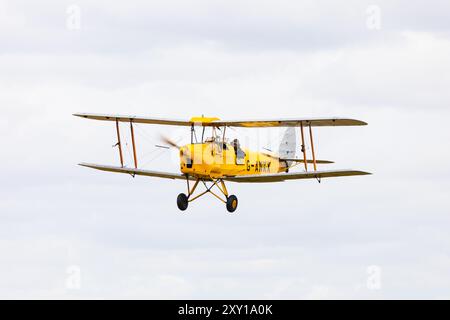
(182,201)
(232,203)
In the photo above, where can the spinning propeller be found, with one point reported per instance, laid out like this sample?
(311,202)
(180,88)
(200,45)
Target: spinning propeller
(169,142)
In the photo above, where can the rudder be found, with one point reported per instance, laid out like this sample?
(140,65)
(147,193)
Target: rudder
(288,145)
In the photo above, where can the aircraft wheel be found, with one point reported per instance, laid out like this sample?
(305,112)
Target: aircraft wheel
(232,203)
(182,201)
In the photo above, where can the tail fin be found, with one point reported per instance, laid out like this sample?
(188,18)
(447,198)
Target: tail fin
(288,145)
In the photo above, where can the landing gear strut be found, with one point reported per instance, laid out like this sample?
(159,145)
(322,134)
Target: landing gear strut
(230,201)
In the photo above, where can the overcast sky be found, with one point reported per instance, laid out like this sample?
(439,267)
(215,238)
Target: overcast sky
(70,232)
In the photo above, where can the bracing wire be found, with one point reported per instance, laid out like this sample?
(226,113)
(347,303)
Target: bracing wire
(153,154)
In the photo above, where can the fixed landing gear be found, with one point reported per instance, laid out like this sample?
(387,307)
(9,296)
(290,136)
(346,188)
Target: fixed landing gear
(230,201)
(182,201)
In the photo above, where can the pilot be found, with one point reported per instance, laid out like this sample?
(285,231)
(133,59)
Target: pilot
(240,154)
(236,144)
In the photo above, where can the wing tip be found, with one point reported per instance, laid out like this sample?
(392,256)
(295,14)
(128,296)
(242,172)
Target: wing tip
(92,165)
(356,122)
(80,115)
(363,173)
(86,165)
(363,123)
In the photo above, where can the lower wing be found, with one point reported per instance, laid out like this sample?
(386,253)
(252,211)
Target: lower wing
(278,177)
(137,172)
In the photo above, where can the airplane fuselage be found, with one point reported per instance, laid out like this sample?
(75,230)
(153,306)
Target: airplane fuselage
(214,160)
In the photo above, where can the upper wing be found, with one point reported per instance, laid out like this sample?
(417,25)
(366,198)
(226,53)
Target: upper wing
(277,177)
(314,122)
(307,161)
(215,122)
(138,172)
(122,118)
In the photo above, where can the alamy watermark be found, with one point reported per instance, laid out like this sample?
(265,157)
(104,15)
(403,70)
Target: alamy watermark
(73,279)
(373,277)
(373,17)
(73,19)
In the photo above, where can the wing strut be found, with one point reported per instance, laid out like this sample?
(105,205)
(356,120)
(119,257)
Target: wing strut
(134,144)
(119,143)
(303,147)
(312,148)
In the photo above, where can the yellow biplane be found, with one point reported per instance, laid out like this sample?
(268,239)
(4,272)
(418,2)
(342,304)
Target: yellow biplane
(214,159)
